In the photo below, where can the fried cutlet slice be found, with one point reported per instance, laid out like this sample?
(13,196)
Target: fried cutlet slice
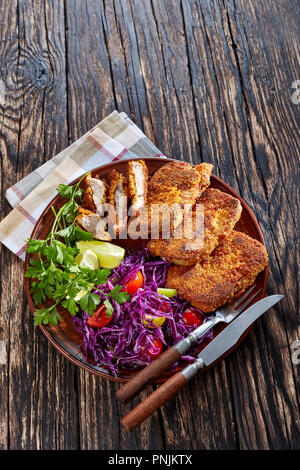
(93,223)
(220,214)
(177,182)
(229,270)
(117,197)
(172,186)
(138,184)
(204,169)
(94,193)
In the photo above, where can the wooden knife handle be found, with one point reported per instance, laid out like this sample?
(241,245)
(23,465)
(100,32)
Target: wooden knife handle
(154,401)
(147,375)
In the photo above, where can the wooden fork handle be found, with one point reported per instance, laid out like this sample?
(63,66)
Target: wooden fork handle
(154,401)
(147,375)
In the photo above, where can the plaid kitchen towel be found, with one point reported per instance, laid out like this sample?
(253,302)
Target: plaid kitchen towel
(115,138)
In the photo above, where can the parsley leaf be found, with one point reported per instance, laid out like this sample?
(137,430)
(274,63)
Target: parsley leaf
(81,234)
(54,272)
(36,246)
(69,192)
(109,308)
(47,315)
(71,306)
(66,232)
(35,269)
(89,302)
(120,297)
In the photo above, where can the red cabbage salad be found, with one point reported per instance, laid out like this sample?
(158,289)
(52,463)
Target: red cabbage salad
(132,338)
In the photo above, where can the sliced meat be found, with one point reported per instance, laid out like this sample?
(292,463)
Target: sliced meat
(138,184)
(117,196)
(94,195)
(93,223)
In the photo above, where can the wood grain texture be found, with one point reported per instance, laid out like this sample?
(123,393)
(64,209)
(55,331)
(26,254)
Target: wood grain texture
(34,128)
(207,80)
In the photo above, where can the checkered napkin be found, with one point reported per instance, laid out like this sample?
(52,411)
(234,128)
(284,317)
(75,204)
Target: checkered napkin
(115,138)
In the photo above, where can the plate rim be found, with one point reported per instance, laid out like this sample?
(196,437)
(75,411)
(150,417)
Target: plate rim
(108,375)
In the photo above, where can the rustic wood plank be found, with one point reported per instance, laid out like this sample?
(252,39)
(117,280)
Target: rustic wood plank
(91,97)
(272,124)
(8,150)
(34,128)
(216,50)
(206,81)
(89,84)
(160,75)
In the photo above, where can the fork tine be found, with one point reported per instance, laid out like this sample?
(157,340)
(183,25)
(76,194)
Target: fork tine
(238,301)
(239,310)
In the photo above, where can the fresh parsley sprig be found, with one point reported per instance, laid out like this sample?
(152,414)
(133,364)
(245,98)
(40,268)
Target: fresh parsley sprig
(56,275)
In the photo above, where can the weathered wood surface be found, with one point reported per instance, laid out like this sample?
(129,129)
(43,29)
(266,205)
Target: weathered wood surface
(207,81)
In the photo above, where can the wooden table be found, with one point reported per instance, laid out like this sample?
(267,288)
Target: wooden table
(206,80)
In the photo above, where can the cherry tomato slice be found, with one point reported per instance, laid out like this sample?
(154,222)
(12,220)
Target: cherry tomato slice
(133,285)
(153,353)
(191,317)
(100,318)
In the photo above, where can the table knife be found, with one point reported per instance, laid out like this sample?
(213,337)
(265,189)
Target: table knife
(222,343)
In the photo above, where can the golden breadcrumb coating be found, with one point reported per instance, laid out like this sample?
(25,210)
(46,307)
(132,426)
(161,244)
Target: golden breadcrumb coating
(173,185)
(92,199)
(221,213)
(228,271)
(175,182)
(204,170)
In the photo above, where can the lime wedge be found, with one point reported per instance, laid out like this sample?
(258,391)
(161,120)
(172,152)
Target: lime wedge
(167,292)
(88,259)
(153,322)
(109,255)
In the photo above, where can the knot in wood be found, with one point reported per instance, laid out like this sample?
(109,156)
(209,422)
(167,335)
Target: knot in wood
(41,74)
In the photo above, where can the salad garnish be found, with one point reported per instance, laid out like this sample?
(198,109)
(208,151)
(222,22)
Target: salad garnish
(55,273)
(140,329)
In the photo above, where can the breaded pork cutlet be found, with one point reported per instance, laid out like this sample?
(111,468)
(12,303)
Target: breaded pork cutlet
(228,271)
(93,223)
(94,194)
(138,184)
(204,170)
(178,183)
(175,184)
(220,211)
(172,186)
(117,197)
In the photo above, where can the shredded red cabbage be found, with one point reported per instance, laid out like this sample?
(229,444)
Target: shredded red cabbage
(125,341)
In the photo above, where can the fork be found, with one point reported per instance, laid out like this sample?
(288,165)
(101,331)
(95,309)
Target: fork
(174,353)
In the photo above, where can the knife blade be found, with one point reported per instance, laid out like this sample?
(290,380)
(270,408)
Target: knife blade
(213,351)
(230,335)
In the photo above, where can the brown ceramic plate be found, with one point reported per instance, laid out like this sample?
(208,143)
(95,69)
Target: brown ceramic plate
(64,337)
